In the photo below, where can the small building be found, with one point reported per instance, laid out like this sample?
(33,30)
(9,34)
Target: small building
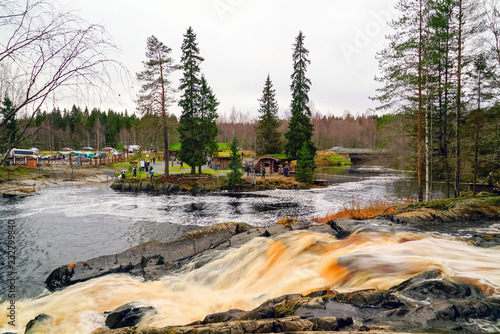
(273,163)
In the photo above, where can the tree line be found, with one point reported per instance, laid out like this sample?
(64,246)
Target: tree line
(440,70)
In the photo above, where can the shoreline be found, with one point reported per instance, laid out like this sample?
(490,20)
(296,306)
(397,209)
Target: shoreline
(33,179)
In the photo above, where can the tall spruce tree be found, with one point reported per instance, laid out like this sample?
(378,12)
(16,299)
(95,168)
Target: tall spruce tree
(191,137)
(154,97)
(268,136)
(300,128)
(208,119)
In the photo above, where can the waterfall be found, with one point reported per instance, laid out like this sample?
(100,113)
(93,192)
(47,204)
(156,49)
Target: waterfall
(243,278)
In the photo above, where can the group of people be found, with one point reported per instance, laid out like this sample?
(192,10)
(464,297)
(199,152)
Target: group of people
(253,169)
(148,168)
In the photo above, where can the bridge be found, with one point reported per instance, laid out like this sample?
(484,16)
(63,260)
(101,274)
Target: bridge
(356,155)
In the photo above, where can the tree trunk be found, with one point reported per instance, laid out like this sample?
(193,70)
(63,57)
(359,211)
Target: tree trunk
(459,99)
(476,153)
(164,119)
(165,139)
(427,154)
(419,132)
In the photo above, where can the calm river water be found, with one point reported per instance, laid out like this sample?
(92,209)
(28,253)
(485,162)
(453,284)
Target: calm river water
(67,224)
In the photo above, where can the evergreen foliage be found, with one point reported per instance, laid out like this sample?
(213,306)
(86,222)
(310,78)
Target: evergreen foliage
(9,129)
(192,148)
(208,118)
(154,98)
(300,129)
(268,137)
(197,127)
(305,165)
(234,179)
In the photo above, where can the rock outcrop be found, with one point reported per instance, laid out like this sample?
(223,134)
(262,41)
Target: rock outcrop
(127,315)
(424,303)
(155,259)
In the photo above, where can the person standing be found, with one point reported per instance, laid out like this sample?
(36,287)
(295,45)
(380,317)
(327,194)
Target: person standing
(151,171)
(263,172)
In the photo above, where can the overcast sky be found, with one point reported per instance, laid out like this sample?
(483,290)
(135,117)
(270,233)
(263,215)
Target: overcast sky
(244,40)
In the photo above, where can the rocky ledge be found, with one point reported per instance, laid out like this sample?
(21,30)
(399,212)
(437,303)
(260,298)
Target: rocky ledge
(155,259)
(424,303)
(484,206)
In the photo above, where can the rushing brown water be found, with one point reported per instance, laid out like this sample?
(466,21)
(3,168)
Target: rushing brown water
(296,262)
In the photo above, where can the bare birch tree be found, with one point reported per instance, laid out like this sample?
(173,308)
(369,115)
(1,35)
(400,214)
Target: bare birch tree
(47,56)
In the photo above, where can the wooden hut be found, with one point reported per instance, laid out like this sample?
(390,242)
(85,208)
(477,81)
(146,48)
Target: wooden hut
(270,163)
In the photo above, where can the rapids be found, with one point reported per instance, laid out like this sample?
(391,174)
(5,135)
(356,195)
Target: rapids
(243,278)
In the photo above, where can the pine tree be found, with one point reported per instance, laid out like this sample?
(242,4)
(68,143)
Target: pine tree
(305,165)
(154,97)
(191,137)
(300,129)
(208,119)
(268,136)
(234,178)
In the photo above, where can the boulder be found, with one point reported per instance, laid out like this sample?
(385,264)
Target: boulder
(230,315)
(127,315)
(33,324)
(437,290)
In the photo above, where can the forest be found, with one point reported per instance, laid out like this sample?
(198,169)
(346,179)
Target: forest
(80,127)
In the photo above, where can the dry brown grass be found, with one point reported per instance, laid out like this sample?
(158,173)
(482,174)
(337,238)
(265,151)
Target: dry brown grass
(287,221)
(357,211)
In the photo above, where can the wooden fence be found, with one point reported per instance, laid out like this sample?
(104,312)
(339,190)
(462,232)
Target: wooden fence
(68,162)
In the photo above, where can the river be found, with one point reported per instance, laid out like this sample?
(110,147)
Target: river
(63,225)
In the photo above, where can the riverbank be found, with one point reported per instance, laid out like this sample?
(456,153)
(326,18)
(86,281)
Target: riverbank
(26,181)
(367,291)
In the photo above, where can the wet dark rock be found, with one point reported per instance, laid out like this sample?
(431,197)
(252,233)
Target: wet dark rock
(331,323)
(152,254)
(230,315)
(127,315)
(318,293)
(433,274)
(486,240)
(340,233)
(270,308)
(437,290)
(154,259)
(32,324)
(374,298)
